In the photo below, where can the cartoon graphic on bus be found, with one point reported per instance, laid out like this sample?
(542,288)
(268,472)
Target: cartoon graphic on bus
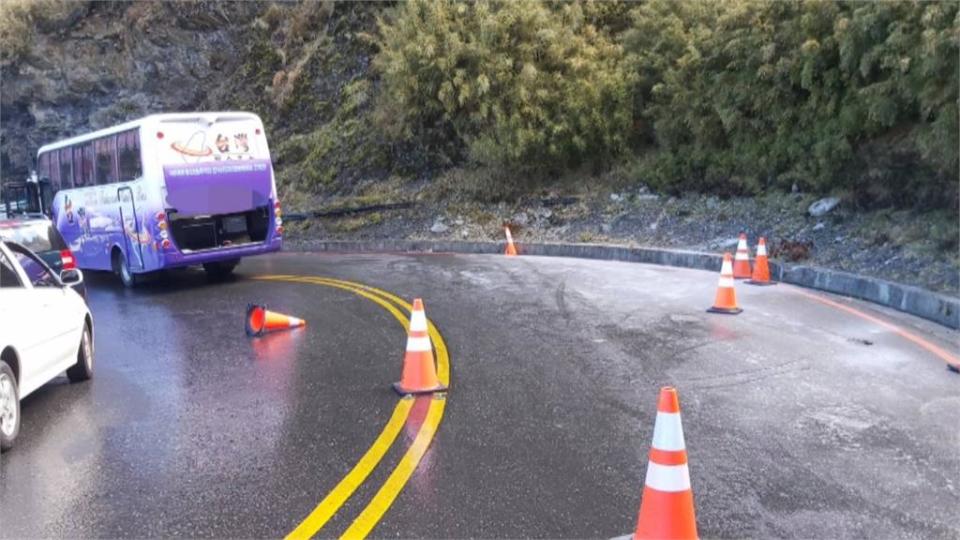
(195,147)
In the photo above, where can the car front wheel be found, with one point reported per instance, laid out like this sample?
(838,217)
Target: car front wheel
(9,407)
(83,369)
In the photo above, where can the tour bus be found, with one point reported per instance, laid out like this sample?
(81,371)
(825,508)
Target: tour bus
(165,191)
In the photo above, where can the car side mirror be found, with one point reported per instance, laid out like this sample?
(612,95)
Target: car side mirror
(71,277)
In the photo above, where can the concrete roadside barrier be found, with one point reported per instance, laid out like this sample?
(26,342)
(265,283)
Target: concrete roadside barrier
(929,305)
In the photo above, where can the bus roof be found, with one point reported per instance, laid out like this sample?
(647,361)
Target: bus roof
(210,116)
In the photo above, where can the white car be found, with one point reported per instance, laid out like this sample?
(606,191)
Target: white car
(45,328)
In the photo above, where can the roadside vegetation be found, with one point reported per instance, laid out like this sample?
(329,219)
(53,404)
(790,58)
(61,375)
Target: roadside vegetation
(728,97)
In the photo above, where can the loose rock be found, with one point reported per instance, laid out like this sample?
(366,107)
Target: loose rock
(823,206)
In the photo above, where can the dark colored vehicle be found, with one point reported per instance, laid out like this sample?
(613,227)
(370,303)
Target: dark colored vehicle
(37,233)
(20,198)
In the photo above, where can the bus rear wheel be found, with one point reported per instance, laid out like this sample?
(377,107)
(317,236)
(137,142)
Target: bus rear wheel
(220,269)
(121,268)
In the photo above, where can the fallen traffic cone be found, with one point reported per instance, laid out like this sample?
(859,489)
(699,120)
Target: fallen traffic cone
(741,263)
(260,320)
(726,301)
(511,249)
(666,509)
(761,269)
(419,372)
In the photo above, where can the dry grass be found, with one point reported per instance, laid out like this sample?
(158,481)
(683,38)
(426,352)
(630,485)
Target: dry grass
(20,20)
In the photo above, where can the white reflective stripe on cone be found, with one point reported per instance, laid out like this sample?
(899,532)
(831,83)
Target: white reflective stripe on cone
(418,321)
(727,269)
(725,282)
(295,322)
(668,432)
(761,250)
(742,255)
(670,478)
(509,236)
(418,344)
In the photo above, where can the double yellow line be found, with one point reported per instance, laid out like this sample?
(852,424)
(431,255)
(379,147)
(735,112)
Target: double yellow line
(391,488)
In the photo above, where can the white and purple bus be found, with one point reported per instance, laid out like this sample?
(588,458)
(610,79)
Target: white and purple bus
(165,191)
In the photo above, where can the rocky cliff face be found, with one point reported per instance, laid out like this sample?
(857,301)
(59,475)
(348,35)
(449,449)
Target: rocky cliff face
(71,67)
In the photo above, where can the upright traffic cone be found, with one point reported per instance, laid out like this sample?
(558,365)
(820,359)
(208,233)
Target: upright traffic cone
(261,320)
(511,249)
(741,263)
(761,268)
(726,301)
(419,372)
(666,509)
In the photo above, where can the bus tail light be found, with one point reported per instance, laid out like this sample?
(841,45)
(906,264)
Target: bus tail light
(163,233)
(67,260)
(277,217)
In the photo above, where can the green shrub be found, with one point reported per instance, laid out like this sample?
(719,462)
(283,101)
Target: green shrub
(856,97)
(529,85)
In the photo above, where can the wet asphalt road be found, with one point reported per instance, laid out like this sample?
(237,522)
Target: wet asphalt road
(800,420)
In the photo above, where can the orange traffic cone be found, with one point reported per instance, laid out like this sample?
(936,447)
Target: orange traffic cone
(260,320)
(419,372)
(726,301)
(511,249)
(741,263)
(666,509)
(761,269)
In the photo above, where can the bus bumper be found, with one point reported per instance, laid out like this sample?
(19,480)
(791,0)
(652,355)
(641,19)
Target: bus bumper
(175,258)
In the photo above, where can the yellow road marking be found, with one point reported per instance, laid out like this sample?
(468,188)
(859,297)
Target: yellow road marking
(381,502)
(339,495)
(443,364)
(394,484)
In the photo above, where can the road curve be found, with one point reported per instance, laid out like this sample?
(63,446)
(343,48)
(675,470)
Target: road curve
(801,419)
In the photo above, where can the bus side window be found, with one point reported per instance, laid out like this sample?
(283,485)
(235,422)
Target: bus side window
(88,160)
(128,155)
(105,161)
(43,171)
(66,165)
(55,170)
(78,178)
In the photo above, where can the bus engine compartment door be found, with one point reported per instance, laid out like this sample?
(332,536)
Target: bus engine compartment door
(131,227)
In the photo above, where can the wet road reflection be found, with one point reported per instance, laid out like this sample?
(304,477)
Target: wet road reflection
(188,414)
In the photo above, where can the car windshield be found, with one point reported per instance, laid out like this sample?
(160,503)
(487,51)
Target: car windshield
(37,236)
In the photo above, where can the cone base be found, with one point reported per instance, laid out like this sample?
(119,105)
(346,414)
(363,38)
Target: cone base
(752,282)
(726,311)
(398,388)
(954,368)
